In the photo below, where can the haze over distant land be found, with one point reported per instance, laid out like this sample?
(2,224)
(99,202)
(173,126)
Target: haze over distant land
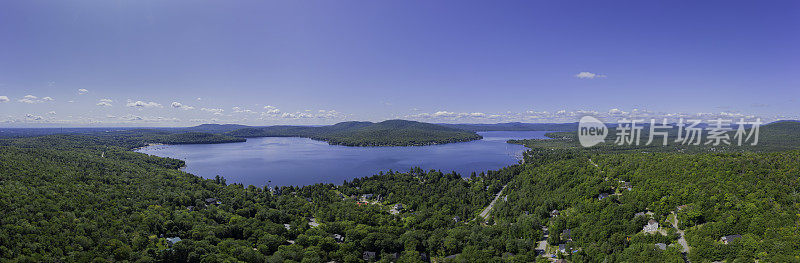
(184,63)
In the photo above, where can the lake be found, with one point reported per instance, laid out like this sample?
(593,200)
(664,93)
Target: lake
(302,161)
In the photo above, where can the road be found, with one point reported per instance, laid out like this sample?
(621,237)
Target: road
(488,209)
(681,240)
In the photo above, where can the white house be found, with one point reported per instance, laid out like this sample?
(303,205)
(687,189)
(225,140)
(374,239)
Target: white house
(652,226)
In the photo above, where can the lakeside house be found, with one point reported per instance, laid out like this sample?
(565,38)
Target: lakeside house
(652,226)
(661,246)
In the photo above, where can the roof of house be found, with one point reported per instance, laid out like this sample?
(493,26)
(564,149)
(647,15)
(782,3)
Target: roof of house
(173,240)
(661,246)
(651,222)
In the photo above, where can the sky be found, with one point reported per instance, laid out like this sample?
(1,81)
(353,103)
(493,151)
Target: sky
(184,63)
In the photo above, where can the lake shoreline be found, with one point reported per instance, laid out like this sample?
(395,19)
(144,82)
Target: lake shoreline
(299,161)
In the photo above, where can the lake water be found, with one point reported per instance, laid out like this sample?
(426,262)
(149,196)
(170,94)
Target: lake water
(302,161)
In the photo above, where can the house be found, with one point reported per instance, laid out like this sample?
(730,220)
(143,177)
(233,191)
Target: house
(172,240)
(661,246)
(728,239)
(638,214)
(554,213)
(313,222)
(563,248)
(369,255)
(652,226)
(602,196)
(287,226)
(338,238)
(456,219)
(367,196)
(681,207)
(452,256)
(211,200)
(398,207)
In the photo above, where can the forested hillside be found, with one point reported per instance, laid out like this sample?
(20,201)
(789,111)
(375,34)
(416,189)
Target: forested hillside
(74,198)
(515,126)
(386,133)
(776,136)
(713,195)
(79,198)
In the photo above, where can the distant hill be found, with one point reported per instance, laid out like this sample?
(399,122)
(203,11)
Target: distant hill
(352,133)
(775,136)
(516,126)
(214,128)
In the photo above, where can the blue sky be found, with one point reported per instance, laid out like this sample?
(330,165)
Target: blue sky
(180,63)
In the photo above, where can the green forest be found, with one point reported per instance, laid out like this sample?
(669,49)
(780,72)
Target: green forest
(354,133)
(89,198)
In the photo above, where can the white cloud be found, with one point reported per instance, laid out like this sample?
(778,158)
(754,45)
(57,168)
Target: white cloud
(33,117)
(30,99)
(212,110)
(82,91)
(107,100)
(271,110)
(588,75)
(178,105)
(306,114)
(241,110)
(104,104)
(142,104)
(616,112)
(52,113)
(4,99)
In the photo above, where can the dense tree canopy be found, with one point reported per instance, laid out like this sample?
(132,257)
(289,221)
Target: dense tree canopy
(79,198)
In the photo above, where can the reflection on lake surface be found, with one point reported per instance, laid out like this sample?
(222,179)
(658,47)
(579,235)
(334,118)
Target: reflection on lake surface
(302,161)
